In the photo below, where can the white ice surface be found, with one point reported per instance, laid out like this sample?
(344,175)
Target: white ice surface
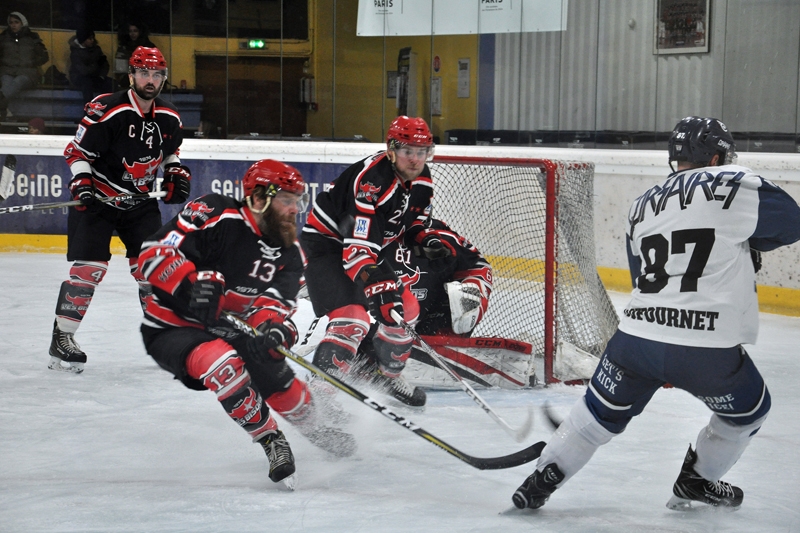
(124,447)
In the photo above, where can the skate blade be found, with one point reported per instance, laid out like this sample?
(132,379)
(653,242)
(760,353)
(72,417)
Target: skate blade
(676,503)
(64,366)
(290,482)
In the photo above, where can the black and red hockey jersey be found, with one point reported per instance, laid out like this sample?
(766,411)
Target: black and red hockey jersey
(367,207)
(218,233)
(122,147)
(426,280)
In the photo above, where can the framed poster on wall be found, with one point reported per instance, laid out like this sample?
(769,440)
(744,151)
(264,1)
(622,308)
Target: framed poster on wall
(681,26)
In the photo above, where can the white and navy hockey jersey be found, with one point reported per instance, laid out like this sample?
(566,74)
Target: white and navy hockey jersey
(689,243)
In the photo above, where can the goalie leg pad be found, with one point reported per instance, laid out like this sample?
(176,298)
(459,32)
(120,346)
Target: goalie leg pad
(575,441)
(217,365)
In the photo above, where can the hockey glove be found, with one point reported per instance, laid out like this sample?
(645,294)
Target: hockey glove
(467,305)
(384,293)
(82,189)
(755,257)
(176,182)
(440,255)
(273,334)
(206,296)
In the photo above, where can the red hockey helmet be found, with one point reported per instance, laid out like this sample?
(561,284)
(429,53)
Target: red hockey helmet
(410,131)
(147,59)
(275,176)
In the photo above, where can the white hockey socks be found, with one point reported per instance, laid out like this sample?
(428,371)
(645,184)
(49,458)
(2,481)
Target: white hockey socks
(720,444)
(575,441)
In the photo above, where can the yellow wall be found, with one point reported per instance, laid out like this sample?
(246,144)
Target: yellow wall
(362,107)
(179,51)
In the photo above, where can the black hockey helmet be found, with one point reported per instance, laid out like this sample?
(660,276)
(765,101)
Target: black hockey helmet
(697,139)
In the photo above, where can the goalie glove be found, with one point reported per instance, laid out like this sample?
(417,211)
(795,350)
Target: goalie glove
(440,254)
(467,305)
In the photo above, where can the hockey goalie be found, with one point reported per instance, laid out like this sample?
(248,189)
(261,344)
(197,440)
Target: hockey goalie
(452,282)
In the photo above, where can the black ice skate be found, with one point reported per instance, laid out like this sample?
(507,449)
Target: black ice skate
(536,490)
(400,389)
(281,459)
(65,354)
(690,487)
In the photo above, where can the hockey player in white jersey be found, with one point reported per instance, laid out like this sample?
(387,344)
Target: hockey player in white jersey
(693,305)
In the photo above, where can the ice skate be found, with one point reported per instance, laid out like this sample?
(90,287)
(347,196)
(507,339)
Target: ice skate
(65,354)
(536,490)
(398,388)
(281,459)
(690,487)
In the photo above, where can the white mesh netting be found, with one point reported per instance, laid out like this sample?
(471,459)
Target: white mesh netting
(500,207)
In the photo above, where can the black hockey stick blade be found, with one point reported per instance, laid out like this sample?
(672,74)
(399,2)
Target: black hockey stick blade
(7,176)
(481,463)
(70,203)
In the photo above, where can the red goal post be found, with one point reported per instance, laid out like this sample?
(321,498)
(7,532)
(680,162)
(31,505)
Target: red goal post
(533,220)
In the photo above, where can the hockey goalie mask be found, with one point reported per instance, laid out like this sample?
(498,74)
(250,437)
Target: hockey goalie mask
(411,138)
(278,182)
(696,140)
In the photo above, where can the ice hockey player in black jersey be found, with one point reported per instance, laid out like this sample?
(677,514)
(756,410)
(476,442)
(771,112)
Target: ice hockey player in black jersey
(371,204)
(118,148)
(693,305)
(242,257)
(452,286)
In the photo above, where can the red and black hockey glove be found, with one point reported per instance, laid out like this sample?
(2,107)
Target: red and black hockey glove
(82,189)
(273,334)
(384,293)
(206,296)
(177,183)
(440,254)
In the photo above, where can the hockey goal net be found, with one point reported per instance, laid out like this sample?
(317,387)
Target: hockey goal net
(533,220)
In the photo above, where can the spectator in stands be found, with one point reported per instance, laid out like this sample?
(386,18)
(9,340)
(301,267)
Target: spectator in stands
(22,52)
(88,70)
(36,126)
(133,36)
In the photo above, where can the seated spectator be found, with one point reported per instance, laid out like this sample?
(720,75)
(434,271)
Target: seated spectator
(88,65)
(22,52)
(133,36)
(36,126)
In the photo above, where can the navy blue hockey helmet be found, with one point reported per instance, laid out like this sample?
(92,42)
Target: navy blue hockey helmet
(697,139)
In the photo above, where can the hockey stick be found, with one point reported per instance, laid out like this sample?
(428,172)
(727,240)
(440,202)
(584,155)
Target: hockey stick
(518,434)
(55,205)
(489,463)
(7,177)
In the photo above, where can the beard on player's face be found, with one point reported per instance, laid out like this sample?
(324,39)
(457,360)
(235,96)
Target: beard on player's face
(280,228)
